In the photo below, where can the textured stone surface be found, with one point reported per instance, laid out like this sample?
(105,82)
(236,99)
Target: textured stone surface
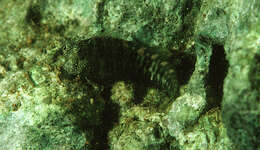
(48,97)
(241,90)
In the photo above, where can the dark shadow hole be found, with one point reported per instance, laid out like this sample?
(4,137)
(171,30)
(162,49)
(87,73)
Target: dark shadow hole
(185,67)
(217,72)
(33,15)
(110,118)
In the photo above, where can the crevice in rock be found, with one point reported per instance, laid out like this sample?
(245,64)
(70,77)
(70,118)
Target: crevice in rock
(215,78)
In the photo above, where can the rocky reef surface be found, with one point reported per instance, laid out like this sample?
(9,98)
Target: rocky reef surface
(130,75)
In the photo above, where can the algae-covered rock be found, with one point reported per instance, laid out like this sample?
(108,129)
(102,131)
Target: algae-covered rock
(213,21)
(120,74)
(184,112)
(139,135)
(208,133)
(39,111)
(139,126)
(241,90)
(149,22)
(52,130)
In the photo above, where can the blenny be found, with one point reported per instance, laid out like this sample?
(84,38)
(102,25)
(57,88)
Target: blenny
(104,60)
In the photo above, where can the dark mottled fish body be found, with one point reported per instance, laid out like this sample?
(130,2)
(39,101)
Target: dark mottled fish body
(109,59)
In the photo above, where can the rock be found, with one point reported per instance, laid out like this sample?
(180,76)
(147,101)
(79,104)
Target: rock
(240,108)
(206,50)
